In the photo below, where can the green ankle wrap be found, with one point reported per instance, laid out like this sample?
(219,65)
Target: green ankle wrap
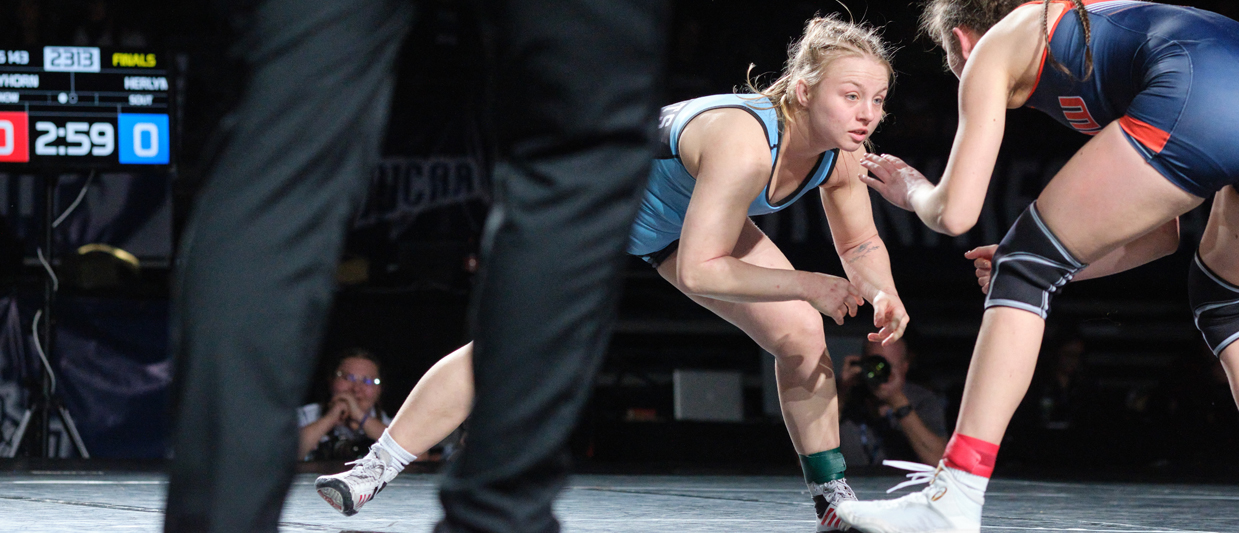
(823,466)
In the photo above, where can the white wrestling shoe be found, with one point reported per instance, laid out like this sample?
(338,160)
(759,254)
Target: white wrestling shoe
(826,497)
(950,504)
(348,491)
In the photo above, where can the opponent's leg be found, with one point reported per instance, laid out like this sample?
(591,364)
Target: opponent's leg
(438,404)
(1217,252)
(1230,362)
(1104,197)
(1090,212)
(793,332)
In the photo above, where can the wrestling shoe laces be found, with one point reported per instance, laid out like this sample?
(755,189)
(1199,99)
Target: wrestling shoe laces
(950,504)
(348,491)
(921,473)
(826,496)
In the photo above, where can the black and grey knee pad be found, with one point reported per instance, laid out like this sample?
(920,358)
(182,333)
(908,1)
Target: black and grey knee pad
(1029,266)
(1215,303)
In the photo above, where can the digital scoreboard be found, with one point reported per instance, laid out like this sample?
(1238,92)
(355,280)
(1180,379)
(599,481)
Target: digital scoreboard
(81,106)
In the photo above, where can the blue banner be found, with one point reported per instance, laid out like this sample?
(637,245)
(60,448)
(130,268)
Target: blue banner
(113,374)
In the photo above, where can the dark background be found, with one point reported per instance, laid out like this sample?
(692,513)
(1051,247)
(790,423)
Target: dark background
(1152,400)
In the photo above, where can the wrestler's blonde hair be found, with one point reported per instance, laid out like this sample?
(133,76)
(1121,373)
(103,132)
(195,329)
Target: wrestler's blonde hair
(824,40)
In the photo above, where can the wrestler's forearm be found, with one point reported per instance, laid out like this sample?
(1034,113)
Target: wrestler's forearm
(730,279)
(868,267)
(1153,245)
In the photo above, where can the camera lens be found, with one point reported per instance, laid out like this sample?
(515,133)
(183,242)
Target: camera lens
(875,370)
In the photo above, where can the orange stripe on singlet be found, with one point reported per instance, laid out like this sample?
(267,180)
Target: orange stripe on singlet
(1149,135)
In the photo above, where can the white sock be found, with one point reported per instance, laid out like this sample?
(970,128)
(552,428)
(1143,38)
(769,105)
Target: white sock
(969,480)
(399,455)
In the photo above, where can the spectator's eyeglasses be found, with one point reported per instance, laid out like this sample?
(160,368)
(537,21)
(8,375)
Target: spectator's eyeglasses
(357,379)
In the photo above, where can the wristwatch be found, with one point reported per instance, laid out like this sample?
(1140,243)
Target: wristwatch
(902,412)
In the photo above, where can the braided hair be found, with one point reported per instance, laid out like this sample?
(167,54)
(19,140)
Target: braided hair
(939,16)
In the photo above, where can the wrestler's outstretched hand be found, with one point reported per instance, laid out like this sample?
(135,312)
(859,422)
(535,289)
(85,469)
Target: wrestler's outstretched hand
(983,259)
(890,316)
(893,179)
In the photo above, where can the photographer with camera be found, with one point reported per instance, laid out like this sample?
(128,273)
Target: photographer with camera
(882,416)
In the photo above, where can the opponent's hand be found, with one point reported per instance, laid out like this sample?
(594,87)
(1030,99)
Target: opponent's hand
(835,297)
(893,179)
(983,259)
(890,316)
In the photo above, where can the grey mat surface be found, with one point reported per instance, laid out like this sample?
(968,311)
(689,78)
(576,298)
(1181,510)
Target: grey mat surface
(75,502)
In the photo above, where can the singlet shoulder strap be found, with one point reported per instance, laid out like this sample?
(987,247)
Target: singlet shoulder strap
(755,104)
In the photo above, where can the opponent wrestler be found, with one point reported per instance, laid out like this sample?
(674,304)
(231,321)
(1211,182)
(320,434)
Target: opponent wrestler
(723,159)
(1154,85)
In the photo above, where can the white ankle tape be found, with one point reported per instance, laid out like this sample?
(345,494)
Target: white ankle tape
(397,452)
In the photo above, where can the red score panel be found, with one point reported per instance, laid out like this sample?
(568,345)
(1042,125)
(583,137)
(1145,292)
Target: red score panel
(14,137)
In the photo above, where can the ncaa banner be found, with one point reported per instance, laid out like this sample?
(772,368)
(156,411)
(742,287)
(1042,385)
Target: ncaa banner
(402,188)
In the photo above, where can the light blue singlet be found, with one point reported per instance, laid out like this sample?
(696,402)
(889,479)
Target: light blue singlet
(670,186)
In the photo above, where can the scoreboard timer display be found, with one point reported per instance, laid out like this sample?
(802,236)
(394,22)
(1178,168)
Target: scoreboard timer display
(81,106)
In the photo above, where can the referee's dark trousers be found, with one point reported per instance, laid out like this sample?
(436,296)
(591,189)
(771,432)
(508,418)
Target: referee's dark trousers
(574,107)
(575,113)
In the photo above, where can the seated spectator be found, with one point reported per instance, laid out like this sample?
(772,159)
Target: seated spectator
(350,421)
(892,419)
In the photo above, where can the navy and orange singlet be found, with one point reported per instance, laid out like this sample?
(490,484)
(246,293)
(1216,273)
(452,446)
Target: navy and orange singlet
(1168,74)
